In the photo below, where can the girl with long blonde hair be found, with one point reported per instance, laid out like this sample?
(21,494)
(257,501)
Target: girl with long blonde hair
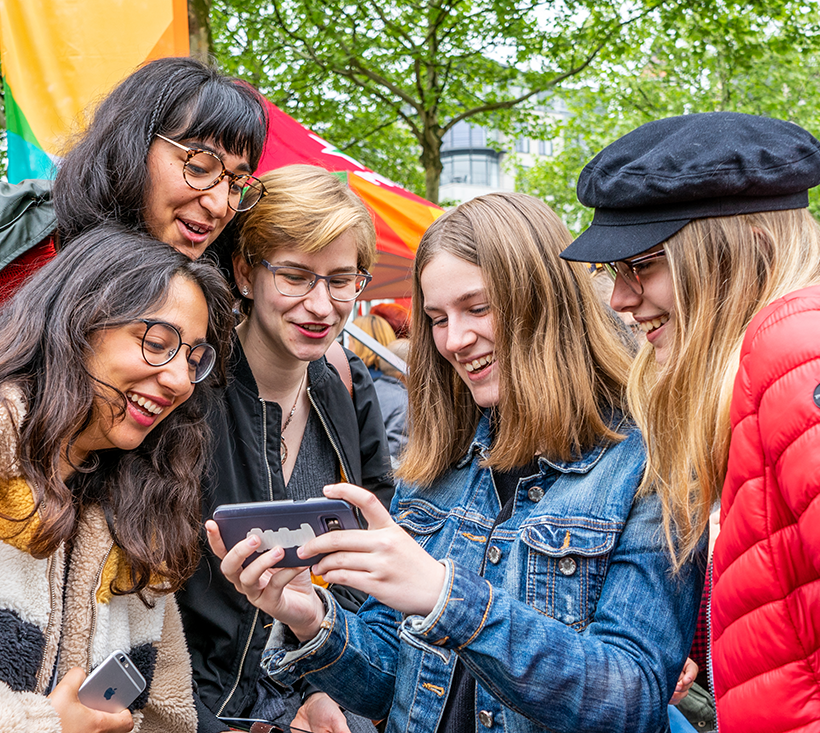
(718,259)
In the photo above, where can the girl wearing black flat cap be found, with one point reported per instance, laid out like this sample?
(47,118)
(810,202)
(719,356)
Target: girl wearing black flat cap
(703,220)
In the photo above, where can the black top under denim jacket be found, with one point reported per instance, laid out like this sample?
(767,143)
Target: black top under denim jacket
(226,634)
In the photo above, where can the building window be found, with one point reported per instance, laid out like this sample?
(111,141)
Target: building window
(477,169)
(464,135)
(522,145)
(545,147)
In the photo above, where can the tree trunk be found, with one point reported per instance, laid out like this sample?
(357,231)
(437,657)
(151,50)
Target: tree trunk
(199,30)
(432,178)
(431,162)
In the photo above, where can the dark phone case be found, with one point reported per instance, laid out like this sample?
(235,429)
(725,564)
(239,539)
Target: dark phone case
(286,523)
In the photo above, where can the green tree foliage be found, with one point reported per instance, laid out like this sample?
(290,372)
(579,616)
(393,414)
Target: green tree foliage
(741,57)
(385,79)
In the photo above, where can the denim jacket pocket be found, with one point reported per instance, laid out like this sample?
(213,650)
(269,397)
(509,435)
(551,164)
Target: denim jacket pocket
(567,563)
(421,520)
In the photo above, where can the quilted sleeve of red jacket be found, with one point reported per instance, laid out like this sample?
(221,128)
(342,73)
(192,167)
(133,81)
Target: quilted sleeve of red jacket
(766,596)
(776,417)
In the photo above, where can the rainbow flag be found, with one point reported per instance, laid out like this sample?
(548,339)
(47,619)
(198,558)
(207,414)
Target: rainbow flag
(60,56)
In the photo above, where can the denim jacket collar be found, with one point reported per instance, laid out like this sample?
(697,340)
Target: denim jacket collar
(482,442)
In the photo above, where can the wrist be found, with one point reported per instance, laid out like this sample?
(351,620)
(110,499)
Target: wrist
(307,631)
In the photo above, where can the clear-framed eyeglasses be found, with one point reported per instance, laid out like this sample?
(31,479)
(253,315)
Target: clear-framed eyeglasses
(162,342)
(204,169)
(630,270)
(295,282)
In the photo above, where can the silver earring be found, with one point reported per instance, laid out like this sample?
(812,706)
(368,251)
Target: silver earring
(245,291)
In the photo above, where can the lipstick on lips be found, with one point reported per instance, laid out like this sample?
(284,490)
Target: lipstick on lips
(145,410)
(313,330)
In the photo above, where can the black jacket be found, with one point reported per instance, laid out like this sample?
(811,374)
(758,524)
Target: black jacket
(226,634)
(26,217)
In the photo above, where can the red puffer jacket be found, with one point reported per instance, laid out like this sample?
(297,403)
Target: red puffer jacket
(766,592)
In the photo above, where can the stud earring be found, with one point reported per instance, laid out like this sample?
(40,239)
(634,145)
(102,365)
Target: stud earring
(245,291)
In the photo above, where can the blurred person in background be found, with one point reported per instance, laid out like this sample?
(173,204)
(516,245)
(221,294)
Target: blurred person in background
(396,315)
(390,388)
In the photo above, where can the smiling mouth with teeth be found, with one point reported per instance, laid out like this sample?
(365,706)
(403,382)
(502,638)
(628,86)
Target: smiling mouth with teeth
(146,405)
(647,326)
(476,365)
(194,228)
(315,327)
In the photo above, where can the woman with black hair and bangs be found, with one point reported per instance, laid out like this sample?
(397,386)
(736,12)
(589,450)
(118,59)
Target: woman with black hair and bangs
(170,151)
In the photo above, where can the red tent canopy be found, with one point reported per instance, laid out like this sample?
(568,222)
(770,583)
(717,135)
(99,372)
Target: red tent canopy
(400,217)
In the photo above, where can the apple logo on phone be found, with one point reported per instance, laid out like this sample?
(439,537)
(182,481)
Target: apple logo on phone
(109,693)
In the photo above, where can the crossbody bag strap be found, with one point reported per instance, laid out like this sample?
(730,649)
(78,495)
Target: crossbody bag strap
(336,355)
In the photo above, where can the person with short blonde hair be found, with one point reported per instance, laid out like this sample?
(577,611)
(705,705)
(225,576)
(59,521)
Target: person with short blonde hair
(293,420)
(305,207)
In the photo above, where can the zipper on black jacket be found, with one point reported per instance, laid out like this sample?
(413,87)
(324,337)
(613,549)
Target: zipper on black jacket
(256,611)
(345,473)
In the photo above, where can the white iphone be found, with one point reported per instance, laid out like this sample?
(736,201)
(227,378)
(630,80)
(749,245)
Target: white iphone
(113,685)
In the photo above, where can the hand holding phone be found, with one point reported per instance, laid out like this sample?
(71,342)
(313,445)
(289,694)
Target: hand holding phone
(78,718)
(113,685)
(287,523)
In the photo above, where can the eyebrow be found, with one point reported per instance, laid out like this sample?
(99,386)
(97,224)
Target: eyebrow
(290,263)
(462,298)
(199,145)
(180,331)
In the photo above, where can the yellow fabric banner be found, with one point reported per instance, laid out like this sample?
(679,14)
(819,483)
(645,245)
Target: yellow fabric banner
(60,56)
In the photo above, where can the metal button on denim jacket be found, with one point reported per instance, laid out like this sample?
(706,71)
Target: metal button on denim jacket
(577,624)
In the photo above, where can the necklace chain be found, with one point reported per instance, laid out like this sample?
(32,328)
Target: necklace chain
(284,448)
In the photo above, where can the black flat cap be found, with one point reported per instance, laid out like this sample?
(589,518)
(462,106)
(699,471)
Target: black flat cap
(651,182)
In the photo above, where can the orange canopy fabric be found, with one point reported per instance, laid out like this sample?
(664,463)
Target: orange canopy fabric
(400,216)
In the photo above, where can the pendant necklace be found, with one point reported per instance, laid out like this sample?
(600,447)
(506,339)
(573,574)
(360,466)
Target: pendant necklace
(284,447)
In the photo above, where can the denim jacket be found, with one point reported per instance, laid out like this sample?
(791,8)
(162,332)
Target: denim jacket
(567,614)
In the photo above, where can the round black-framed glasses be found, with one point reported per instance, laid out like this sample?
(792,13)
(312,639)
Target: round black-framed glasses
(629,270)
(204,169)
(296,282)
(162,341)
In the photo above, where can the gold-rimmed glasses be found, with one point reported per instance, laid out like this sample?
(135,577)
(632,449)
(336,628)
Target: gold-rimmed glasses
(204,169)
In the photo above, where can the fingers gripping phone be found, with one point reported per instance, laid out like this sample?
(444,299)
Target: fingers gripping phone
(113,685)
(287,523)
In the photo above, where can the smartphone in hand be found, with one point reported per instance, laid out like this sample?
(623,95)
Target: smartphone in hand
(287,523)
(113,685)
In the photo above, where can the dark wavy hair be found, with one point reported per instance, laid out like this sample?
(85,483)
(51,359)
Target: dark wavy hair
(105,174)
(151,495)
